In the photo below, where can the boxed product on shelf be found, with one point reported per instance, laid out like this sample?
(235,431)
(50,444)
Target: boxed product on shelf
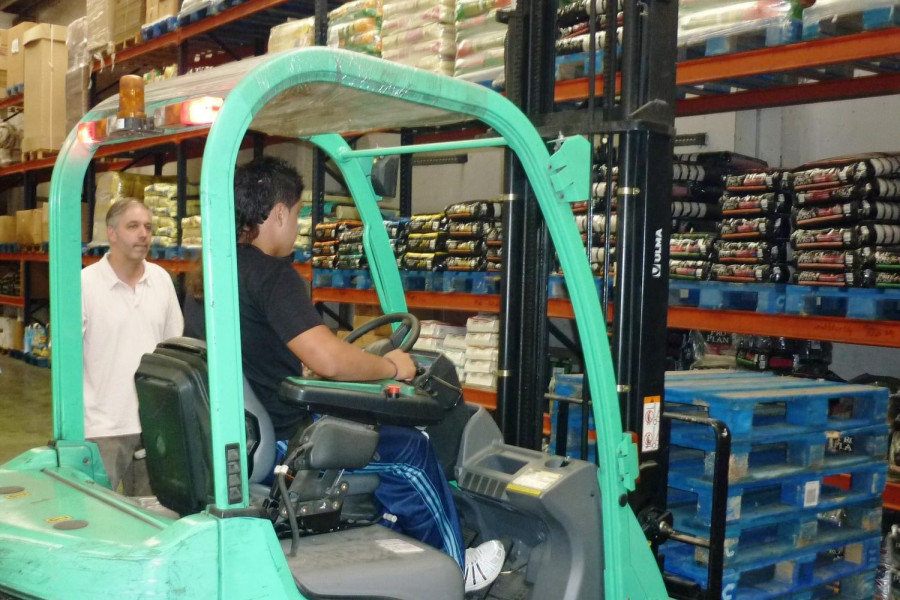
(112,21)
(45,62)
(29,227)
(299,33)
(15,59)
(160,9)
(7,229)
(356,26)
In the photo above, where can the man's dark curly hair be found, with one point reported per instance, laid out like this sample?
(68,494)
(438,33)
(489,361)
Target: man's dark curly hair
(258,186)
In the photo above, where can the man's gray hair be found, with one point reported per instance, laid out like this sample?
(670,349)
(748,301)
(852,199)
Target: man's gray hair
(119,208)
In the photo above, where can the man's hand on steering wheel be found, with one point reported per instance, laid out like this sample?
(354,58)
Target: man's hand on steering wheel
(403,363)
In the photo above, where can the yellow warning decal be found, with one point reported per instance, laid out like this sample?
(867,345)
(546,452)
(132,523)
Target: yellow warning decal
(18,495)
(58,519)
(533,482)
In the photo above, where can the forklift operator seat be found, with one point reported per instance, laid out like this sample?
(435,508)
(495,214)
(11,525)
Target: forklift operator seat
(173,403)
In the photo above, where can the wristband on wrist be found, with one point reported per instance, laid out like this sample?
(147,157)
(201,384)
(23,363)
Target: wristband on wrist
(396,368)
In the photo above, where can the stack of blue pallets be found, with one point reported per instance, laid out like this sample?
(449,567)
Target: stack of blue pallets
(805,480)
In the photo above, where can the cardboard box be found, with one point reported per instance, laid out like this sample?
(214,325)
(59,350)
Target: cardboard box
(4,60)
(7,229)
(45,222)
(112,21)
(28,227)
(45,85)
(15,64)
(159,9)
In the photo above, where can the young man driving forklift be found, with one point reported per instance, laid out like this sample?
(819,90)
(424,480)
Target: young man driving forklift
(281,332)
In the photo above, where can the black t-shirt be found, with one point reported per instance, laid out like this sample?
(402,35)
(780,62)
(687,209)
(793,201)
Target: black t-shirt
(275,308)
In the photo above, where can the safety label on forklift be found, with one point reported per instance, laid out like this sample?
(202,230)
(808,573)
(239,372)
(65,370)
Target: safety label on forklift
(533,483)
(650,436)
(58,519)
(398,546)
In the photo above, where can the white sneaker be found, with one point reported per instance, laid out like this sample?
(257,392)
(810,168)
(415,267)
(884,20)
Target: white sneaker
(483,565)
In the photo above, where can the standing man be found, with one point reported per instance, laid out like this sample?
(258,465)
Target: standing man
(128,306)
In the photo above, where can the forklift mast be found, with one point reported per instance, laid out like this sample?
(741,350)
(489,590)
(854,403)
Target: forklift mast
(635,131)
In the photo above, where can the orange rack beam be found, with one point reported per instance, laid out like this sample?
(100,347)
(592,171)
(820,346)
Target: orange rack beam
(17,301)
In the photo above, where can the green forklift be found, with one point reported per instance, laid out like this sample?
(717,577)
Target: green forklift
(223,534)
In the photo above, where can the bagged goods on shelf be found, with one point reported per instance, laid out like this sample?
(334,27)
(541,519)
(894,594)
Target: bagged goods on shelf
(835,279)
(753,229)
(427,242)
(750,273)
(332,231)
(190,231)
(419,261)
(465,263)
(886,280)
(416,18)
(695,270)
(455,341)
(582,43)
(439,329)
(351,262)
(427,223)
(299,33)
(723,161)
(832,260)
(483,324)
(476,209)
(751,253)
(695,210)
(758,204)
(327,248)
(356,26)
(465,247)
(849,212)
(846,237)
(323,262)
(754,181)
(690,246)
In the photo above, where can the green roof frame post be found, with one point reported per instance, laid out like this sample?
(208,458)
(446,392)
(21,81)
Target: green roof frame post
(627,553)
(357,173)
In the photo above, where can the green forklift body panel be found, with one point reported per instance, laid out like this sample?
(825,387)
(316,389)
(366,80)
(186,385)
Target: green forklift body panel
(316,94)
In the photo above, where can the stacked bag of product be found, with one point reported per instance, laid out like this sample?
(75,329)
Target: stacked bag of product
(718,349)
(162,200)
(304,234)
(846,219)
(573,19)
(356,26)
(480,39)
(299,33)
(482,350)
(191,232)
(420,33)
(426,243)
(468,226)
(111,187)
(753,236)
(326,249)
(434,335)
(695,212)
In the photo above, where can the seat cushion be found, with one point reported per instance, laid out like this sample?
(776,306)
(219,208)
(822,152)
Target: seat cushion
(372,562)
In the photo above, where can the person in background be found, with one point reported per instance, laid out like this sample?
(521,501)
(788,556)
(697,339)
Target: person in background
(128,306)
(281,333)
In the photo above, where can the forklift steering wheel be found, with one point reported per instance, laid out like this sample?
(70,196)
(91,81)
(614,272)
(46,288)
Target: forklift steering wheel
(403,338)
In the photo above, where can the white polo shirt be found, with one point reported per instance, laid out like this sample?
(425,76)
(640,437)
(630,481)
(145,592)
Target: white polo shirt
(119,326)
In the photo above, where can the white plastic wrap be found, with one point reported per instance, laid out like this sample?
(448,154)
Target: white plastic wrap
(728,18)
(480,39)
(392,8)
(293,34)
(98,33)
(420,18)
(312,108)
(77,43)
(825,10)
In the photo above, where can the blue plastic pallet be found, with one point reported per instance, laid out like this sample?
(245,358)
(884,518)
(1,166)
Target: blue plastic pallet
(792,530)
(302,256)
(790,403)
(573,439)
(852,303)
(15,90)
(422,281)
(190,252)
(199,12)
(576,66)
(557,286)
(710,374)
(759,297)
(9,248)
(475,282)
(772,449)
(94,250)
(866,20)
(769,494)
(766,576)
(359,279)
(220,5)
(151,31)
(779,33)
(163,252)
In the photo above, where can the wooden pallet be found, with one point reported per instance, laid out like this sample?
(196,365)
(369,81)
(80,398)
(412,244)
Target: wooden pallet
(30,155)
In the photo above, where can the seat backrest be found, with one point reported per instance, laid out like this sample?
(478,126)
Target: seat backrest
(174,411)
(172,386)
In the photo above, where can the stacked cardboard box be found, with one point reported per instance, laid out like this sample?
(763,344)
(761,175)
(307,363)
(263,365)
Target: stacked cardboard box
(15,63)
(45,64)
(157,10)
(112,21)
